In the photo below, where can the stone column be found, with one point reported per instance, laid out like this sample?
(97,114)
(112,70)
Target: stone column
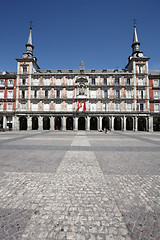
(112,127)
(52,121)
(150,124)
(75,123)
(100,123)
(136,124)
(40,123)
(4,122)
(110,123)
(29,123)
(147,124)
(88,123)
(64,123)
(124,123)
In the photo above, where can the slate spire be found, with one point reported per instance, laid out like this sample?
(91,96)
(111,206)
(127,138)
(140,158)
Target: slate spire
(29,45)
(136,43)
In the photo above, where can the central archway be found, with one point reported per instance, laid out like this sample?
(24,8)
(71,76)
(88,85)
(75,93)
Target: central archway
(81,123)
(34,123)
(23,123)
(93,123)
(69,123)
(129,123)
(46,123)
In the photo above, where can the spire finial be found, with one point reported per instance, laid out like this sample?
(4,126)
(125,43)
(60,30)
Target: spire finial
(31,22)
(134,20)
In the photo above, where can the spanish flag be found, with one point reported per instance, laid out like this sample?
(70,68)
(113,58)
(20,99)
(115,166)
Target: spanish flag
(79,105)
(84,106)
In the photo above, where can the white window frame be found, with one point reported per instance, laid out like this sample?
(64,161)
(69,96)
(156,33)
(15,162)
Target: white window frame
(9,106)
(155,82)
(1,93)
(10,96)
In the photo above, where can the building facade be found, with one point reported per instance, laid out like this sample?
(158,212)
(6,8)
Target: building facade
(83,99)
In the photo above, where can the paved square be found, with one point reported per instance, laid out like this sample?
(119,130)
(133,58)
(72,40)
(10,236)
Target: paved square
(79,185)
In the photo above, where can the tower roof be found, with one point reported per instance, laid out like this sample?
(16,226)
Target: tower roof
(136,43)
(29,45)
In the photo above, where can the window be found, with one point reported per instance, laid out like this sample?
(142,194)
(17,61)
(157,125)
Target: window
(106,93)
(46,93)
(156,94)
(35,82)
(23,94)
(129,106)
(1,106)
(117,106)
(93,81)
(105,81)
(1,94)
(9,106)
(156,83)
(140,68)
(2,82)
(23,81)
(35,93)
(128,81)
(156,107)
(24,69)
(117,93)
(141,107)
(9,94)
(58,93)
(140,81)
(116,81)
(10,82)
(23,106)
(128,94)
(142,95)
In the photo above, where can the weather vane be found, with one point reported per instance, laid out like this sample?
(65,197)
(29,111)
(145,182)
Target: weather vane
(31,24)
(134,20)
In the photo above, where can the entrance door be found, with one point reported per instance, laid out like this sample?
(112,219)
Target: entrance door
(34,123)
(81,123)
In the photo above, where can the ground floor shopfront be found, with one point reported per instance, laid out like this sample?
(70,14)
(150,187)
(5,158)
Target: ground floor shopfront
(124,122)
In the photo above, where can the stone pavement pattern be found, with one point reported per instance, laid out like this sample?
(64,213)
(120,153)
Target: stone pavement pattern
(65,185)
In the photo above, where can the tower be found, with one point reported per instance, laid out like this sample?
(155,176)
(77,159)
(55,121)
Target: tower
(26,66)
(138,65)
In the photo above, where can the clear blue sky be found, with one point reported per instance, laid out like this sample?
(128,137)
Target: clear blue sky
(99,32)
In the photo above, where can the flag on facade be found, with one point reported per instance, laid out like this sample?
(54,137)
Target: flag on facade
(79,105)
(84,107)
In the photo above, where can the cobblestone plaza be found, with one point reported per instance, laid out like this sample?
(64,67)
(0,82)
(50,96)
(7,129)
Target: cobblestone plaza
(79,185)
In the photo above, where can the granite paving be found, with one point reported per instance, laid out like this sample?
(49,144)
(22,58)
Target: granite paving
(79,185)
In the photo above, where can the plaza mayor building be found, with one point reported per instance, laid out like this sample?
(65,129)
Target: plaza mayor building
(82,99)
